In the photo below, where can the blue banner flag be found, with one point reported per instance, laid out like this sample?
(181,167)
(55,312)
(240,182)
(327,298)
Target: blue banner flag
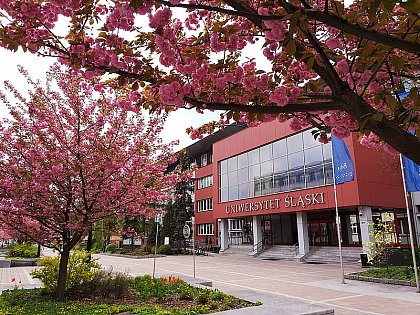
(343,165)
(412,173)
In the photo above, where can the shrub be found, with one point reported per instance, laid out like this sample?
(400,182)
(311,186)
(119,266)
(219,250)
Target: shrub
(80,270)
(105,284)
(164,250)
(204,296)
(24,250)
(146,248)
(217,295)
(111,247)
(186,293)
(147,287)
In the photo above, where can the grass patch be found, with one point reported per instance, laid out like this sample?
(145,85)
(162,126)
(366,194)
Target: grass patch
(115,294)
(392,272)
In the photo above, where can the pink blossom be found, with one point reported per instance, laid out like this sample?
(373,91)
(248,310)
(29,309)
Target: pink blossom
(121,18)
(333,43)
(342,67)
(279,96)
(161,18)
(276,30)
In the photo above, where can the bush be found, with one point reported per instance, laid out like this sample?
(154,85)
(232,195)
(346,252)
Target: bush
(106,284)
(146,248)
(147,287)
(164,250)
(80,270)
(111,247)
(24,250)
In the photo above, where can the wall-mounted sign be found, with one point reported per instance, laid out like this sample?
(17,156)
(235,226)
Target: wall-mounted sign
(186,231)
(277,203)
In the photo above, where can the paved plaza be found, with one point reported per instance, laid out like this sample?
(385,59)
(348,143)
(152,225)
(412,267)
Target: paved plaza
(284,287)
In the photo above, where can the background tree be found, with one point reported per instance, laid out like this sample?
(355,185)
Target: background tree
(72,156)
(316,62)
(181,209)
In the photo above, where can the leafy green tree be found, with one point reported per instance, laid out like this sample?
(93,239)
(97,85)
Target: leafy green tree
(182,208)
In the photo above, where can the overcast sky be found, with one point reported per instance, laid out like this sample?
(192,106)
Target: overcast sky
(38,66)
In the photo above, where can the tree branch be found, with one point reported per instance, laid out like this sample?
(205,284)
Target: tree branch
(312,14)
(271,109)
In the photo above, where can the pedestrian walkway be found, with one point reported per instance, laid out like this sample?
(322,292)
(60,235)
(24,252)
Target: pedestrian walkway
(17,277)
(284,287)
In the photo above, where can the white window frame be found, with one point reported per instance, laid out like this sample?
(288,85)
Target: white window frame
(205,205)
(205,182)
(204,160)
(205,229)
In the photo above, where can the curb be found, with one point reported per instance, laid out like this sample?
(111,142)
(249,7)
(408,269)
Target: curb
(132,256)
(355,276)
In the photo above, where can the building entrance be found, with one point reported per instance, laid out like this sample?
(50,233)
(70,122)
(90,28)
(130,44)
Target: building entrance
(322,233)
(322,229)
(279,229)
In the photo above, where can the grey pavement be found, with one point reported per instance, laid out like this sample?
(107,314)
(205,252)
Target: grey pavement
(284,287)
(17,277)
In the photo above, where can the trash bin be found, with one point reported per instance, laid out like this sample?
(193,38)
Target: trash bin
(364,260)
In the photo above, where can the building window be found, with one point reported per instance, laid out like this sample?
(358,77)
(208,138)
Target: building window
(205,205)
(205,229)
(295,162)
(203,160)
(205,182)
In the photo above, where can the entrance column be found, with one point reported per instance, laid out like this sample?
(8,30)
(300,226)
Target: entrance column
(366,227)
(303,233)
(256,229)
(416,215)
(224,237)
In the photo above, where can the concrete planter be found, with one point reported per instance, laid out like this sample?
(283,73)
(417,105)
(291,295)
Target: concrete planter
(4,263)
(23,262)
(355,276)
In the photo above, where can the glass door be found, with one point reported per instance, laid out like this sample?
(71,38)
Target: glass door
(322,233)
(267,230)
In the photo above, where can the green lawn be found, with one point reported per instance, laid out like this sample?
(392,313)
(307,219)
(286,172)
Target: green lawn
(397,273)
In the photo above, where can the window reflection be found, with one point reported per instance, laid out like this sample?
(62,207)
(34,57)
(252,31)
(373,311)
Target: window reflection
(294,143)
(279,148)
(296,162)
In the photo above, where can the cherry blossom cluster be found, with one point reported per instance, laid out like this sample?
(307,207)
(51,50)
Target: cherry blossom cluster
(71,155)
(202,56)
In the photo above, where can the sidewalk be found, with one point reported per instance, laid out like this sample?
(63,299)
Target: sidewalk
(271,303)
(19,277)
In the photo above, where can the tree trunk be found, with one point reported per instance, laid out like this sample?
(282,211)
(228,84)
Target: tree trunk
(387,130)
(62,273)
(89,243)
(38,253)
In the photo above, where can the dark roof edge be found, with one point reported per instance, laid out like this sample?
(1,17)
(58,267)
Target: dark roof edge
(205,144)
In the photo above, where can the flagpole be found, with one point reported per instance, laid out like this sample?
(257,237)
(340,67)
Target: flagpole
(410,228)
(337,219)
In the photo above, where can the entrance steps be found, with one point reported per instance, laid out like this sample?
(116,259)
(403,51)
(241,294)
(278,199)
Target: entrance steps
(238,251)
(331,255)
(280,252)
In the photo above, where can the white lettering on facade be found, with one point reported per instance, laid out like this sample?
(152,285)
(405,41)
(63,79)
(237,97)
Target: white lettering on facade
(289,201)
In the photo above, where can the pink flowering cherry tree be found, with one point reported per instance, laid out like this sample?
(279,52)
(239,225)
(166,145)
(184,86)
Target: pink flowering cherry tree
(321,63)
(71,156)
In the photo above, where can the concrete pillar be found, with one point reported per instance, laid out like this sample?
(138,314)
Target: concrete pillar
(366,227)
(416,215)
(349,232)
(256,229)
(303,233)
(224,237)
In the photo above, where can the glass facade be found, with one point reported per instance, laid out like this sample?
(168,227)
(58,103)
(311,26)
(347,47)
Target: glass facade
(296,162)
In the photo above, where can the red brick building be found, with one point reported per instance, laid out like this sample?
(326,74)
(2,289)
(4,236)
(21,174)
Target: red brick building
(273,184)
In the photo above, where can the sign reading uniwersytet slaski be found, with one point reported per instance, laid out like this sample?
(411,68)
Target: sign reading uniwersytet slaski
(277,203)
